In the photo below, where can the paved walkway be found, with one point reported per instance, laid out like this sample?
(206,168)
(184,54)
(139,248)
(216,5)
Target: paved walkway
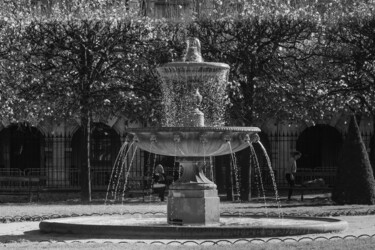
(29,231)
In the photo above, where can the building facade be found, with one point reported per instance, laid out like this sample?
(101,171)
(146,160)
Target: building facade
(55,153)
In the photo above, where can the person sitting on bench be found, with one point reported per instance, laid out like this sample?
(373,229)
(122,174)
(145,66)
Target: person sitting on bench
(159,181)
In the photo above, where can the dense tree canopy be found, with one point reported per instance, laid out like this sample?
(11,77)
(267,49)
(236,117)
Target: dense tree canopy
(90,64)
(91,59)
(346,80)
(282,57)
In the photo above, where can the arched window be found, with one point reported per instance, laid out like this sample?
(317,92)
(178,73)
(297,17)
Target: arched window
(21,148)
(320,146)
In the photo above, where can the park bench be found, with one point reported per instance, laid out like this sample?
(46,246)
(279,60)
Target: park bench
(313,181)
(312,187)
(21,185)
(139,186)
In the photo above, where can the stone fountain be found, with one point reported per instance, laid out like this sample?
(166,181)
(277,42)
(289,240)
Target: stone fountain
(193,199)
(194,97)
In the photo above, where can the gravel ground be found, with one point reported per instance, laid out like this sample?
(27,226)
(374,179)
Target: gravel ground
(22,235)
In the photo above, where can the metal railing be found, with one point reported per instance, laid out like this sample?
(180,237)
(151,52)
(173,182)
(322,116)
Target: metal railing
(11,179)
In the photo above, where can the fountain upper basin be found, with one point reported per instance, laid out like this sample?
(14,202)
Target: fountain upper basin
(192,70)
(194,141)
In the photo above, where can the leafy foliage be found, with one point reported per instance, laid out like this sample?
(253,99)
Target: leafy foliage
(90,59)
(348,47)
(74,65)
(347,75)
(282,57)
(81,60)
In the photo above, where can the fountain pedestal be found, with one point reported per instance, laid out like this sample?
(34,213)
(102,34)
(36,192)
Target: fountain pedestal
(193,199)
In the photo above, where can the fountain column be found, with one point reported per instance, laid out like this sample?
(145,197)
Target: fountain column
(193,199)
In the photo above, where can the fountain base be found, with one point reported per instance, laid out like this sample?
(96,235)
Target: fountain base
(137,226)
(193,206)
(193,199)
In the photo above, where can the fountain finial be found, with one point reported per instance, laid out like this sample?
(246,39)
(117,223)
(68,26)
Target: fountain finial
(193,50)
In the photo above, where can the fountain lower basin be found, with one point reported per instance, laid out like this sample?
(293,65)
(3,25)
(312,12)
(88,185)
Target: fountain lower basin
(140,226)
(193,141)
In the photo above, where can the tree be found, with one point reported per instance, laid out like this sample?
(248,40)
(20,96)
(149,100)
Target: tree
(4,91)
(355,182)
(275,53)
(83,62)
(348,77)
(11,106)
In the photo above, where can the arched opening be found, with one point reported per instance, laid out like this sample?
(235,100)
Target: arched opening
(105,144)
(320,146)
(21,149)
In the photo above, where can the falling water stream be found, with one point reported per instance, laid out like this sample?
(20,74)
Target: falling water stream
(127,176)
(119,174)
(119,162)
(122,167)
(272,174)
(254,156)
(177,98)
(236,193)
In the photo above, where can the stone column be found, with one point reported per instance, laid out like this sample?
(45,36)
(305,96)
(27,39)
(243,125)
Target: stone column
(57,175)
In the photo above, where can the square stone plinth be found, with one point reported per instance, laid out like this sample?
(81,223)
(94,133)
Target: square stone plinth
(193,207)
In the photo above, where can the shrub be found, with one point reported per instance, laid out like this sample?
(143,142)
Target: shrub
(355,182)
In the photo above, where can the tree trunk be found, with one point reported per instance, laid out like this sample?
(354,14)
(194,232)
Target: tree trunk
(372,146)
(86,166)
